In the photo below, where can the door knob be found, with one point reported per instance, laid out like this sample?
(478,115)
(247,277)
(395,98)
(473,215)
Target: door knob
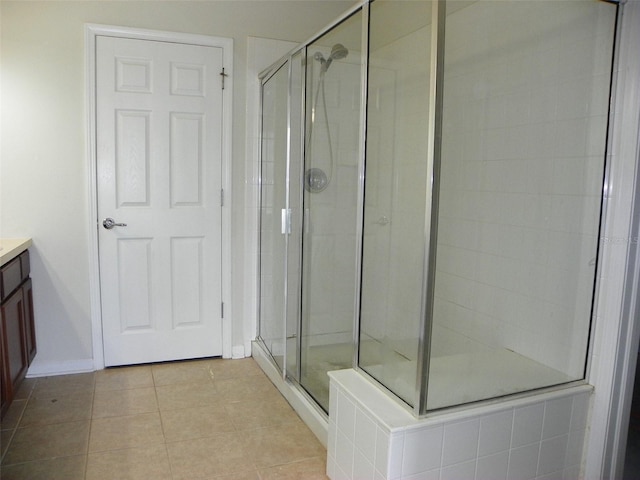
(109,223)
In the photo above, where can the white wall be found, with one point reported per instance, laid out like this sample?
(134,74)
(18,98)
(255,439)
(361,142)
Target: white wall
(44,183)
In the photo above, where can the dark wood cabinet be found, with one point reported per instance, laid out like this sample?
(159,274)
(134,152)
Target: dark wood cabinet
(4,382)
(17,332)
(13,326)
(30,328)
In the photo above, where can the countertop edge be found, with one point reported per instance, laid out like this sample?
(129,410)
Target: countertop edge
(12,247)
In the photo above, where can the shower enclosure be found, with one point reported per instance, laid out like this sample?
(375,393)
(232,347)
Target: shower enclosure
(431,194)
(308,212)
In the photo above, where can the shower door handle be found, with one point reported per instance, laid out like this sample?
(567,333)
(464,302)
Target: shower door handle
(286,221)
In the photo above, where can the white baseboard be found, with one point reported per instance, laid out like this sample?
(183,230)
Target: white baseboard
(46,369)
(237,352)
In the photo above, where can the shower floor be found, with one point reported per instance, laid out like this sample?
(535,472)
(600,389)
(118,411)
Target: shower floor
(321,359)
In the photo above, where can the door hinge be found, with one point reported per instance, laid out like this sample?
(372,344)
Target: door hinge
(222,197)
(222,74)
(222,310)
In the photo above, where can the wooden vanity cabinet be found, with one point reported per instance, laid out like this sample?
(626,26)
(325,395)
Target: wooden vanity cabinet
(4,392)
(17,332)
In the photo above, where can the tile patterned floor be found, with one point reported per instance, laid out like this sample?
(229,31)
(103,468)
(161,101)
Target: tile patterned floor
(194,420)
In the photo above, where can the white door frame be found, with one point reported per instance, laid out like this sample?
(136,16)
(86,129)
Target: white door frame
(91,32)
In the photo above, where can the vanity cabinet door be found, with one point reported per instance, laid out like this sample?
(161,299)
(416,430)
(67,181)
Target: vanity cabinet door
(4,382)
(17,329)
(14,336)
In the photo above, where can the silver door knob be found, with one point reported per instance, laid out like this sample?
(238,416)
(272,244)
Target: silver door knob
(109,223)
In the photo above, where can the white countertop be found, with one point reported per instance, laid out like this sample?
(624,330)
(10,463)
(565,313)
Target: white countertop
(10,248)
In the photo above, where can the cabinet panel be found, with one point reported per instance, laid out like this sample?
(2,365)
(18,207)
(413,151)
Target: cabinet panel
(13,326)
(30,329)
(4,381)
(25,263)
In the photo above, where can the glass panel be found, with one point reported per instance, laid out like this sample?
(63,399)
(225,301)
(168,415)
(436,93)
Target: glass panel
(526,87)
(272,201)
(296,102)
(395,192)
(330,204)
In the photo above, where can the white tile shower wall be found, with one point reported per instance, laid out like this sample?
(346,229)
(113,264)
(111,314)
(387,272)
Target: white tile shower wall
(371,437)
(331,242)
(524,134)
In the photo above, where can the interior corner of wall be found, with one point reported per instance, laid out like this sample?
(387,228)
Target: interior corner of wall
(238,351)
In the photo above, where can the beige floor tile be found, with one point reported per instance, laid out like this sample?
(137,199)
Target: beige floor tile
(311,469)
(187,395)
(119,403)
(282,444)
(239,389)
(5,437)
(64,468)
(64,385)
(221,419)
(199,422)
(123,378)
(145,463)
(48,441)
(244,367)
(271,409)
(205,458)
(182,372)
(13,415)
(59,409)
(113,433)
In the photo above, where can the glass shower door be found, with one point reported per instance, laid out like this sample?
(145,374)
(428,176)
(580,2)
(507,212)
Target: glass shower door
(273,192)
(330,179)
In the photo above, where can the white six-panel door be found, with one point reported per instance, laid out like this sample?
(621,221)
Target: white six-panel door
(159,146)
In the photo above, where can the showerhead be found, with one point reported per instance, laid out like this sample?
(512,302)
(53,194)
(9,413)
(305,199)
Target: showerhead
(338,52)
